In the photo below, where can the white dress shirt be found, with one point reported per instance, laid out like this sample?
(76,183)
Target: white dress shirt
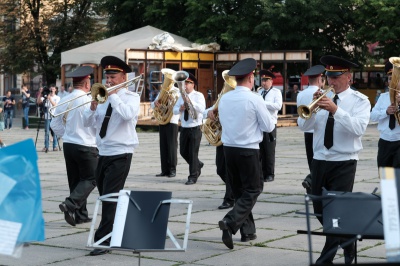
(74,131)
(199,104)
(378,114)
(244,116)
(273,101)
(174,118)
(121,136)
(62,94)
(351,120)
(305,97)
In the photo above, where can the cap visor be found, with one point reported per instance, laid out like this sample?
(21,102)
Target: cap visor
(333,74)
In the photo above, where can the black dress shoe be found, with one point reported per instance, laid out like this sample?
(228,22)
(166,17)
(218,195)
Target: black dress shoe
(190,182)
(247,238)
(269,178)
(68,215)
(79,221)
(307,182)
(172,175)
(226,234)
(162,174)
(97,251)
(225,205)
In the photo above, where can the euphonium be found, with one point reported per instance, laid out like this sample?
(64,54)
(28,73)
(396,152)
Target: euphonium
(166,99)
(393,86)
(306,111)
(212,129)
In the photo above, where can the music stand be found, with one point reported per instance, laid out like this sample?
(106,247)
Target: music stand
(140,223)
(337,222)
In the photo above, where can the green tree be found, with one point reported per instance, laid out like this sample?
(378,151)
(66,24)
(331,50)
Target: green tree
(378,22)
(38,31)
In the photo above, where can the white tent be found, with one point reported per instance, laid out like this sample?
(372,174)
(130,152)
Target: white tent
(137,39)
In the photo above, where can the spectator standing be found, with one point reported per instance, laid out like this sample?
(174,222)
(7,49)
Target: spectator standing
(25,104)
(9,103)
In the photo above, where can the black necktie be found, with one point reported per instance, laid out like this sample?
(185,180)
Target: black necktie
(264,93)
(186,115)
(328,138)
(103,129)
(392,122)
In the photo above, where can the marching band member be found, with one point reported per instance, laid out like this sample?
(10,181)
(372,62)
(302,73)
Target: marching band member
(79,146)
(273,100)
(168,142)
(338,129)
(243,116)
(389,140)
(190,136)
(116,139)
(305,97)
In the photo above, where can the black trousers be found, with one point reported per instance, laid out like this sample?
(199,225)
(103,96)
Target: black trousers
(111,175)
(267,153)
(388,153)
(243,167)
(308,141)
(81,162)
(189,140)
(334,176)
(223,174)
(169,147)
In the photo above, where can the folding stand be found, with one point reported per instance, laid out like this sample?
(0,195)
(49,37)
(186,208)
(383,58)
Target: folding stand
(351,237)
(142,245)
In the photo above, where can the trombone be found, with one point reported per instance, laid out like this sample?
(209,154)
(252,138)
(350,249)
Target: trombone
(99,94)
(306,111)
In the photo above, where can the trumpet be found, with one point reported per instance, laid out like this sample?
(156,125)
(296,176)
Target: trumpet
(306,111)
(99,94)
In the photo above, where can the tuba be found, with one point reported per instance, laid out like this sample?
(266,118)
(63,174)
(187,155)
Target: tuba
(212,129)
(179,77)
(167,98)
(306,111)
(393,86)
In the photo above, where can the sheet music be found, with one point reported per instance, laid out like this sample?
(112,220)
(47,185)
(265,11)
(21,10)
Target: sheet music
(7,185)
(9,232)
(120,217)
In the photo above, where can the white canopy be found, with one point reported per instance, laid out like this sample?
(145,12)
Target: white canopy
(137,39)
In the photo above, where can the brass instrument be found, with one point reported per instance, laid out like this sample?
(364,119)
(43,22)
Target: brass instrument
(180,77)
(394,82)
(212,129)
(306,111)
(99,94)
(166,99)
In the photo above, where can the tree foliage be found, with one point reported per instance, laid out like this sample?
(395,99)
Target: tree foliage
(38,31)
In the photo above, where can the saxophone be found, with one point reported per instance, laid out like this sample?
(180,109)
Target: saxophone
(212,129)
(393,86)
(166,99)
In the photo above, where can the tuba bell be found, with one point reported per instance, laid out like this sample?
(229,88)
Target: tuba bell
(212,129)
(166,99)
(306,111)
(393,86)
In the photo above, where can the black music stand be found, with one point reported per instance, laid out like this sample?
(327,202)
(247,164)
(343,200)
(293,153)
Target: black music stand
(141,222)
(355,216)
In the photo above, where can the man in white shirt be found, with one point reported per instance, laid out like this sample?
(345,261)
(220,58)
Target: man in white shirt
(62,93)
(338,129)
(244,117)
(273,101)
(305,97)
(190,136)
(116,138)
(168,141)
(79,146)
(388,126)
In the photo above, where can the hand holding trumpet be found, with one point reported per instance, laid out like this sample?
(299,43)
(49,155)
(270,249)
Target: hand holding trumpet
(325,103)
